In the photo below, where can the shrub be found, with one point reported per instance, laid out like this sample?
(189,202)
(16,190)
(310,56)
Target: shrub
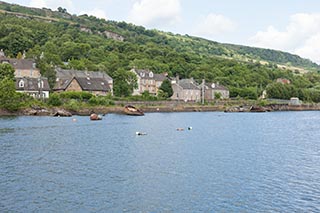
(55,100)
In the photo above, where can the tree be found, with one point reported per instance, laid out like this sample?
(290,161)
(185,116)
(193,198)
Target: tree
(6,71)
(124,82)
(166,87)
(9,99)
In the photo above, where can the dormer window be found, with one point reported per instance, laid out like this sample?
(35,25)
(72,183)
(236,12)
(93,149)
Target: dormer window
(21,84)
(102,83)
(40,83)
(142,74)
(151,74)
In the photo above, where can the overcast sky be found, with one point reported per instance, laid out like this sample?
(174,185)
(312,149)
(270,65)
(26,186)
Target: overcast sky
(288,25)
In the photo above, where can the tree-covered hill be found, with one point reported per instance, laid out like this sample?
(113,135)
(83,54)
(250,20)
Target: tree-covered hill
(57,38)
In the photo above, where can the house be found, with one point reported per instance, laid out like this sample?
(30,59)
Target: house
(28,77)
(186,90)
(148,81)
(211,90)
(97,83)
(35,87)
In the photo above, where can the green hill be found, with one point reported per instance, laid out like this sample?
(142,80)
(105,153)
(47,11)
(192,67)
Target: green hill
(57,38)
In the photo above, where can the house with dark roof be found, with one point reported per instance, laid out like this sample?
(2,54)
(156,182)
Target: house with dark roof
(148,81)
(27,76)
(186,90)
(35,87)
(22,67)
(97,83)
(212,90)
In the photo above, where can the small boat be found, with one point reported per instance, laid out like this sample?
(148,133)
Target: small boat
(131,110)
(95,117)
(257,109)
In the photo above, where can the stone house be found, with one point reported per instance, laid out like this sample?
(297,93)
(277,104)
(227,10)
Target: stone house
(212,89)
(97,83)
(28,77)
(186,90)
(148,81)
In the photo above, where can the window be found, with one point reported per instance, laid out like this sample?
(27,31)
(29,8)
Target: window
(21,83)
(151,74)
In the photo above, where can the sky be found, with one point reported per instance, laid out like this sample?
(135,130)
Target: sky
(288,25)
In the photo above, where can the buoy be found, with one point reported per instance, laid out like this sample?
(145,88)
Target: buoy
(141,133)
(190,128)
(74,120)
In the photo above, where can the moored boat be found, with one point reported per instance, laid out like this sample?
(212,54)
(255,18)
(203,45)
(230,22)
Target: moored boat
(131,110)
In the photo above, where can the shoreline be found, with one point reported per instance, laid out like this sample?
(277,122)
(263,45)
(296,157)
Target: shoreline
(60,111)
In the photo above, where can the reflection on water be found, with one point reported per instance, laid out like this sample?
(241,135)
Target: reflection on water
(266,162)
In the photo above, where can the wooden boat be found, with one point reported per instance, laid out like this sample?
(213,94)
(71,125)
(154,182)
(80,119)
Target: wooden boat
(257,109)
(95,117)
(131,110)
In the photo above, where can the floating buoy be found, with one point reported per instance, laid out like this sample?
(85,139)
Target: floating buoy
(74,120)
(95,117)
(141,133)
(190,128)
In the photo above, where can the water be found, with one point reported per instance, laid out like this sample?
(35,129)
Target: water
(268,162)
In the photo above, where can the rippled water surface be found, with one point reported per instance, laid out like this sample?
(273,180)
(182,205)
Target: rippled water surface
(268,162)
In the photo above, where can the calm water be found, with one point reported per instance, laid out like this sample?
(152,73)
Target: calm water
(267,162)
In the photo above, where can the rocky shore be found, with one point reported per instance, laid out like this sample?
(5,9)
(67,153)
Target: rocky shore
(40,111)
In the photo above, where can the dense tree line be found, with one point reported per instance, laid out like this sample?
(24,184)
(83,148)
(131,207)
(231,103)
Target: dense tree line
(62,43)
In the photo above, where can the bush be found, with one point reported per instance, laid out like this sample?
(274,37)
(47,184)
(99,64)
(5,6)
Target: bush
(55,100)
(73,105)
(81,96)
(103,101)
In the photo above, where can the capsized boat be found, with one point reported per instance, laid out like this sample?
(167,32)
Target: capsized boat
(131,110)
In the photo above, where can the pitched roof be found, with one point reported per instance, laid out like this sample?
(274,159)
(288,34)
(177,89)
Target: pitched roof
(188,84)
(32,84)
(147,74)
(93,84)
(68,74)
(21,64)
(214,86)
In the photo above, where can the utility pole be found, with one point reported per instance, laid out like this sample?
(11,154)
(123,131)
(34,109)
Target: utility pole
(202,91)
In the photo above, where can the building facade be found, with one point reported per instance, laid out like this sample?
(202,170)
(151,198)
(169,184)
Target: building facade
(148,81)
(213,90)
(97,83)
(186,90)
(28,77)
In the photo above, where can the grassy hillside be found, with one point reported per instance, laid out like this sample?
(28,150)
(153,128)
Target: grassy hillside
(57,38)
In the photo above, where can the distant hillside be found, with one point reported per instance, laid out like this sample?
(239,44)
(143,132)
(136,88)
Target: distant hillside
(180,43)
(57,38)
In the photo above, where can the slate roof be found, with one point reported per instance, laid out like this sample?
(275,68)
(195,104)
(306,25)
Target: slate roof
(68,74)
(31,84)
(188,84)
(88,80)
(20,64)
(145,74)
(216,86)
(93,84)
